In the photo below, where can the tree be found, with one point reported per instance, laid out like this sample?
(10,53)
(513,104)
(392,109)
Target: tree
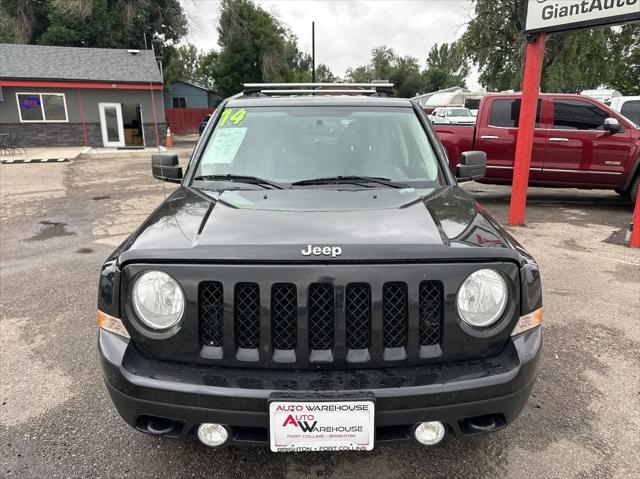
(114,23)
(324,74)
(95,23)
(206,69)
(182,63)
(255,47)
(361,74)
(574,60)
(403,72)
(406,76)
(494,41)
(625,72)
(20,20)
(446,67)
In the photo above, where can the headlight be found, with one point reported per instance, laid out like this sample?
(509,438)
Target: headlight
(158,300)
(482,298)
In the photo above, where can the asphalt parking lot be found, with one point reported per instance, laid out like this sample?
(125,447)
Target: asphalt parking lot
(60,221)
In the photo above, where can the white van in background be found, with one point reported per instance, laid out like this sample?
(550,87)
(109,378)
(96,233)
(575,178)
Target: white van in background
(605,96)
(628,106)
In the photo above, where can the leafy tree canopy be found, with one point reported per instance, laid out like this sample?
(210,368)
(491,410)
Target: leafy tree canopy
(403,72)
(574,61)
(93,23)
(185,62)
(446,66)
(255,47)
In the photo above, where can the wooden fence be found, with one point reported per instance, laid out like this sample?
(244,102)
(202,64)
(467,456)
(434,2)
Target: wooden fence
(185,121)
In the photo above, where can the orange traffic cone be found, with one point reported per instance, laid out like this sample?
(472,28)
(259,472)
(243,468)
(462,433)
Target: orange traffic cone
(169,140)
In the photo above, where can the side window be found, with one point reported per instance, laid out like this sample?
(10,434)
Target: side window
(179,102)
(631,109)
(577,115)
(506,113)
(42,107)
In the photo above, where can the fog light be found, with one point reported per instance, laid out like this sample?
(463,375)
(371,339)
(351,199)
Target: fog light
(213,435)
(429,433)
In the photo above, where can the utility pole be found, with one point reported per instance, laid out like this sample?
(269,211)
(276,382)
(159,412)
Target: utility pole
(313,52)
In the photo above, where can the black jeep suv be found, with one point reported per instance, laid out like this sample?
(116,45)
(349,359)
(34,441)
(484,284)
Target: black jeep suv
(319,282)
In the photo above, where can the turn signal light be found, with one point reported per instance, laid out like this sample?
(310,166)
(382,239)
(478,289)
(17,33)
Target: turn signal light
(528,321)
(114,325)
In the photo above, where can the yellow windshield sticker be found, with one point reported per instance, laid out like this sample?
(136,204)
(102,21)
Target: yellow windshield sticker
(225,116)
(238,116)
(235,117)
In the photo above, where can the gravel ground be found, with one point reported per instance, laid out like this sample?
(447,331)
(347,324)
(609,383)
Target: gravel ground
(60,221)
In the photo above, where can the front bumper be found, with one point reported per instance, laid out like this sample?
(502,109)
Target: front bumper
(188,395)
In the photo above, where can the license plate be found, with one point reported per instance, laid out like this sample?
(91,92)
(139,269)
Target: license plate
(321,426)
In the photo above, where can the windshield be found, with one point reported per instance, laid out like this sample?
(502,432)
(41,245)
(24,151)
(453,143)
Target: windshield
(291,144)
(458,112)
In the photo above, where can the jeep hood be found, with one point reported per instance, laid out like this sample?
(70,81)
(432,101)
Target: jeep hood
(443,223)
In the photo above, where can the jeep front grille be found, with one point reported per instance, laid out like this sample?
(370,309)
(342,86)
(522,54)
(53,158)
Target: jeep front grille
(320,322)
(357,315)
(394,314)
(247,315)
(430,312)
(284,315)
(211,313)
(321,315)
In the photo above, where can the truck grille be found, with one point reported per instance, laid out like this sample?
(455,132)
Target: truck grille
(312,324)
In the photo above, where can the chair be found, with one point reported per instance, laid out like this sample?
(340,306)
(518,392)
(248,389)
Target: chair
(15,143)
(4,145)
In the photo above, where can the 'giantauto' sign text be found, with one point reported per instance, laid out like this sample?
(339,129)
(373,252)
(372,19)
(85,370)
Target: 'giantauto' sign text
(555,15)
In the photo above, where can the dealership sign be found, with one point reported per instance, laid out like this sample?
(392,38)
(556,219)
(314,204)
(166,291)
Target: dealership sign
(557,15)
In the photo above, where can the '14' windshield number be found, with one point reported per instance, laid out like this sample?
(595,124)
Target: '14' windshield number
(234,117)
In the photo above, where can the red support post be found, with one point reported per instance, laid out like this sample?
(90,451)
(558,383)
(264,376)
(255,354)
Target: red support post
(634,242)
(524,144)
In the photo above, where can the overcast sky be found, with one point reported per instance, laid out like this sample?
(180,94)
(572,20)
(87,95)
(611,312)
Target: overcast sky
(347,30)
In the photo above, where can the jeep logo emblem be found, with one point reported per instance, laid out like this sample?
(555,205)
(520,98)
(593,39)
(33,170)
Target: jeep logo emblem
(333,251)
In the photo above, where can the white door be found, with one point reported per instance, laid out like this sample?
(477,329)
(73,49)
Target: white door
(111,124)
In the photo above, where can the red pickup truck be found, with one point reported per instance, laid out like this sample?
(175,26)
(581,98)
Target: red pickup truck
(578,143)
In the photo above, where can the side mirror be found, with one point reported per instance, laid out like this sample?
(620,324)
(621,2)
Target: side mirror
(441,114)
(472,166)
(612,125)
(165,167)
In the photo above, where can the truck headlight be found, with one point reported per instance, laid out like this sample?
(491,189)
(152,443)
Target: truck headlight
(482,298)
(158,300)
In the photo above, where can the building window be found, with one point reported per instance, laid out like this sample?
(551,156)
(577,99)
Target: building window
(179,102)
(42,107)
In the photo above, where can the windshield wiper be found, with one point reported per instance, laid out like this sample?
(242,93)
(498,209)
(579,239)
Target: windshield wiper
(252,180)
(329,180)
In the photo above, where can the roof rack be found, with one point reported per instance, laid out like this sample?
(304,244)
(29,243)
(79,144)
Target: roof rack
(376,88)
